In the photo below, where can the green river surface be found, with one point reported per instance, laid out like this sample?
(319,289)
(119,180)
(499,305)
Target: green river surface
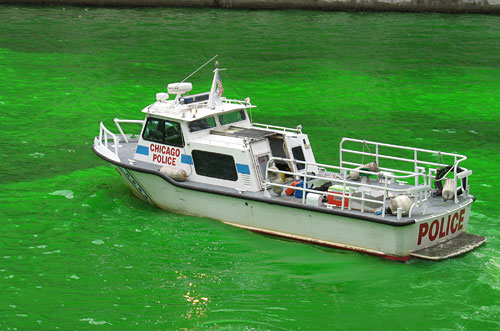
(79,252)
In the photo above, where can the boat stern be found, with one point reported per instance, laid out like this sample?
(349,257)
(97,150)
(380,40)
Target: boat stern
(443,236)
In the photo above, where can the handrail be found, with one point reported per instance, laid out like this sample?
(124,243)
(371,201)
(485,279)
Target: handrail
(457,157)
(420,192)
(417,163)
(118,121)
(245,103)
(298,129)
(103,133)
(339,168)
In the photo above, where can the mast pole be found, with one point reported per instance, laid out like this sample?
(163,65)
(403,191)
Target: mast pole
(213,90)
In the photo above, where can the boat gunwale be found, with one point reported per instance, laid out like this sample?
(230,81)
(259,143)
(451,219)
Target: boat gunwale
(264,200)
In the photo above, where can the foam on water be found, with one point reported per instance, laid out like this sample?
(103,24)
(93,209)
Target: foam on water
(68,194)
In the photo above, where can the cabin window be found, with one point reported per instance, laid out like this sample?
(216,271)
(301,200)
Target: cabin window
(202,124)
(163,132)
(214,165)
(235,116)
(298,154)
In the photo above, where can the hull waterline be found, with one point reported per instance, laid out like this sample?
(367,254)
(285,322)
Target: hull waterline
(394,241)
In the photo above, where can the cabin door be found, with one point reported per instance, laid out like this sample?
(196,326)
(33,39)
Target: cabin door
(261,151)
(299,149)
(278,149)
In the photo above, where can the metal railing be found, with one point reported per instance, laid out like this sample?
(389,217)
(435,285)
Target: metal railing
(103,139)
(420,192)
(419,165)
(245,102)
(105,136)
(298,129)
(118,121)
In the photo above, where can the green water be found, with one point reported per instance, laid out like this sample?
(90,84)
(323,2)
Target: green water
(79,251)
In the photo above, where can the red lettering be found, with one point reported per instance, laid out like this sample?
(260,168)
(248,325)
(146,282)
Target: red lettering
(433,234)
(460,225)
(161,154)
(441,229)
(164,159)
(453,226)
(436,228)
(422,231)
(448,225)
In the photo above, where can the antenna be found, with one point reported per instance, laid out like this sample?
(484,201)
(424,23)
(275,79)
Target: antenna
(199,68)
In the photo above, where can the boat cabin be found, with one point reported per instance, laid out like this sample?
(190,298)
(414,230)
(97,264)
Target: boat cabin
(213,140)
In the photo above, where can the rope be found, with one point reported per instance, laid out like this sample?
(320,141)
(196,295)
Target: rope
(446,174)
(363,155)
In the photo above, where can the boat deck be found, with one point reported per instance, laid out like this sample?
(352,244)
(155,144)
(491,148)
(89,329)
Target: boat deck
(434,205)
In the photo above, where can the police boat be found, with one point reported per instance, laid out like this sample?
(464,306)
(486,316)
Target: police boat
(201,154)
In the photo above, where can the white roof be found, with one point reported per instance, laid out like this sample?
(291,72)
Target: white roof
(192,107)
(221,141)
(174,109)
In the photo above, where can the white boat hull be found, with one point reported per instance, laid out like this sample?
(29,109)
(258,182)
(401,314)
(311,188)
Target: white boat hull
(396,242)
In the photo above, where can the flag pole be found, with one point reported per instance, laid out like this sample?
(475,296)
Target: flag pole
(213,90)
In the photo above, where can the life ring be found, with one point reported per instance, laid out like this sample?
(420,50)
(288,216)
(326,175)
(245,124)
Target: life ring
(439,176)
